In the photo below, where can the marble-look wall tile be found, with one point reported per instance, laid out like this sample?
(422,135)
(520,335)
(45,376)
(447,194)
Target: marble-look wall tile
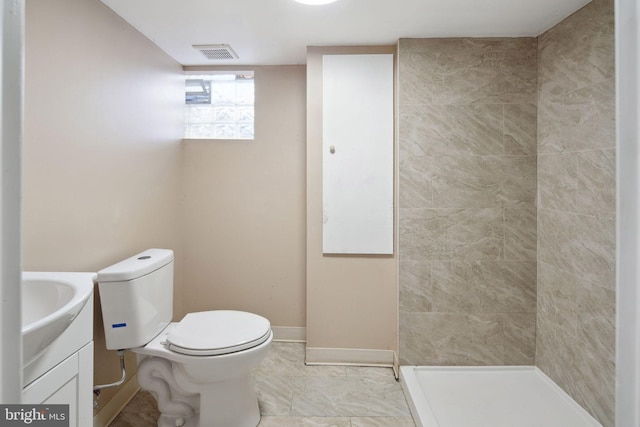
(411,131)
(575,337)
(562,296)
(520,75)
(519,338)
(416,176)
(484,287)
(579,182)
(558,293)
(482,78)
(580,120)
(587,379)
(557,95)
(465,181)
(557,181)
(519,183)
(520,236)
(465,45)
(596,180)
(555,352)
(465,71)
(419,78)
(416,290)
(482,181)
(451,234)
(467,157)
(582,315)
(579,244)
(596,335)
(578,52)
(468,339)
(520,129)
(451,339)
(427,130)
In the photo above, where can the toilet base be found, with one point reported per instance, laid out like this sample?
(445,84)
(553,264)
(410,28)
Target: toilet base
(231,402)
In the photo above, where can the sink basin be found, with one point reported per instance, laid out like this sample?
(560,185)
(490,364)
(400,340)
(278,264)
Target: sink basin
(50,302)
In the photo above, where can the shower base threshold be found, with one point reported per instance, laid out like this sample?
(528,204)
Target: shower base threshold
(521,396)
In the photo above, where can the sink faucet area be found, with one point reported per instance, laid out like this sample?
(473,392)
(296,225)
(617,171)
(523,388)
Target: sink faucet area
(50,302)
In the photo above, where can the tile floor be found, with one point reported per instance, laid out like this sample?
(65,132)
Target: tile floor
(292,394)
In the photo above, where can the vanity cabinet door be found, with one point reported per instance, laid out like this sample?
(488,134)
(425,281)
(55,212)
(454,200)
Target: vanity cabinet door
(69,383)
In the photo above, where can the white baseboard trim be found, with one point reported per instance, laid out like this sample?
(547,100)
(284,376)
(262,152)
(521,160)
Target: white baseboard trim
(116,404)
(289,333)
(349,356)
(396,365)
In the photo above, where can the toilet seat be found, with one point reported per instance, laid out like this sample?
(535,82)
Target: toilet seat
(218,332)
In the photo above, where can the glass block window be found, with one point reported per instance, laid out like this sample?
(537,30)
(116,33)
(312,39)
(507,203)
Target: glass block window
(219,106)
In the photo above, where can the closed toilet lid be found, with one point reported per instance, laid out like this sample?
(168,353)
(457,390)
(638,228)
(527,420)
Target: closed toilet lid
(210,333)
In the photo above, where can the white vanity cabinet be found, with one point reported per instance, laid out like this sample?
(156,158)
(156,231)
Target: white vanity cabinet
(70,382)
(64,373)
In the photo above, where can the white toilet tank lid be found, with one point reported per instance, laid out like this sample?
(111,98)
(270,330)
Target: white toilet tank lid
(208,333)
(136,266)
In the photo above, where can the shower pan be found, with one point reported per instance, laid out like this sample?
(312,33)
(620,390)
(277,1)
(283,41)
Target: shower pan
(502,396)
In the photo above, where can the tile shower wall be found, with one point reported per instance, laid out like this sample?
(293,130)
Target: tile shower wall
(576,207)
(467,153)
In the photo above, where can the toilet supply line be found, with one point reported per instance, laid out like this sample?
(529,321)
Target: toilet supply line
(98,388)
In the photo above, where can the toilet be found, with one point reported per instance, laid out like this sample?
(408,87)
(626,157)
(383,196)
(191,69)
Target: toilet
(198,369)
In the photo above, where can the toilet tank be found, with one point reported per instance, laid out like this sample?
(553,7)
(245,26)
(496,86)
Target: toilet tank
(136,296)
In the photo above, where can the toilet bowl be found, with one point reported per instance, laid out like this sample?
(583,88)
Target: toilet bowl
(198,369)
(213,369)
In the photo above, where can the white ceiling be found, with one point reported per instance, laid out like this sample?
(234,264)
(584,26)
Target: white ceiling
(277,32)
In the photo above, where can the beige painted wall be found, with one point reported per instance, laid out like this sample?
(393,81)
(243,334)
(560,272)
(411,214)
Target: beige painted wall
(243,211)
(103,122)
(351,300)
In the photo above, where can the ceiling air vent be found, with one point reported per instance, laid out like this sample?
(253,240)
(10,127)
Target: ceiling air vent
(217,52)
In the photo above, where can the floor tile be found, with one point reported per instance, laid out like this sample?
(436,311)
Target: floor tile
(287,359)
(275,394)
(304,422)
(382,422)
(293,394)
(352,397)
(141,411)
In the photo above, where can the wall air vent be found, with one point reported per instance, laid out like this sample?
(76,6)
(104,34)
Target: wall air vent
(217,52)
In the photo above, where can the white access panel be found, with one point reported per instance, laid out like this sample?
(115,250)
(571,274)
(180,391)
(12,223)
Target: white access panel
(357,159)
